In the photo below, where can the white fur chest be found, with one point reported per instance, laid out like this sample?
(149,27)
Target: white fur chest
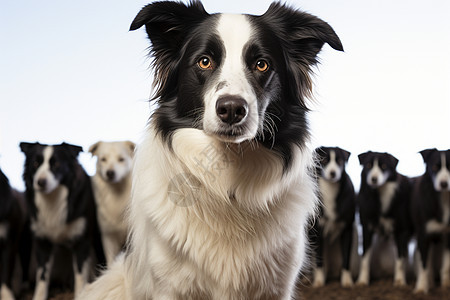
(52,215)
(235,234)
(387,193)
(329,192)
(112,201)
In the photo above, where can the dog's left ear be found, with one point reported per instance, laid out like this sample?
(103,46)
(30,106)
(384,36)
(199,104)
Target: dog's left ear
(131,147)
(73,149)
(394,160)
(307,32)
(346,154)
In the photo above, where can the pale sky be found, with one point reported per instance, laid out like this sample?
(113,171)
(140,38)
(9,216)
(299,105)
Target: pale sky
(70,71)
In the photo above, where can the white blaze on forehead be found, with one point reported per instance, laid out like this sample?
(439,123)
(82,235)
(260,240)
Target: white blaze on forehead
(235,32)
(41,172)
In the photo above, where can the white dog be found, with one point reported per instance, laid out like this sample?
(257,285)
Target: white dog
(112,189)
(222,188)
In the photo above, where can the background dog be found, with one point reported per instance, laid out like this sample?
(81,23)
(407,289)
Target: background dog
(222,188)
(15,237)
(337,212)
(431,216)
(112,190)
(62,208)
(383,202)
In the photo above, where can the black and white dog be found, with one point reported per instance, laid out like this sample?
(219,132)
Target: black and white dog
(384,203)
(62,208)
(431,215)
(337,212)
(15,237)
(222,183)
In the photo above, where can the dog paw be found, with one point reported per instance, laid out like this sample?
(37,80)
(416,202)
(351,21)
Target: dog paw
(400,282)
(346,279)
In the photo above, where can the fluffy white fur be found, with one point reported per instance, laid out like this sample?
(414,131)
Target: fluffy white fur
(112,194)
(245,227)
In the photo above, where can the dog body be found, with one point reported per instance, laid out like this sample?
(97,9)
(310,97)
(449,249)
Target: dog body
(112,190)
(384,203)
(431,215)
(337,212)
(62,209)
(222,188)
(14,236)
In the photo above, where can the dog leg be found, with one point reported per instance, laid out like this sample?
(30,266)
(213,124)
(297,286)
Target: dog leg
(319,277)
(364,271)
(445,270)
(400,275)
(81,264)
(80,276)
(44,255)
(111,247)
(423,278)
(6,293)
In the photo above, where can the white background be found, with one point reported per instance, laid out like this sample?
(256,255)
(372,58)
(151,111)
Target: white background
(70,71)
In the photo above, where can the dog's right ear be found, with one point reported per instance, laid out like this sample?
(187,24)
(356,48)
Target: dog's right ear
(93,148)
(166,23)
(364,157)
(27,147)
(426,153)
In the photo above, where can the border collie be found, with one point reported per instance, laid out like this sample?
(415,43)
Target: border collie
(112,189)
(383,202)
(15,237)
(337,212)
(431,215)
(222,182)
(60,200)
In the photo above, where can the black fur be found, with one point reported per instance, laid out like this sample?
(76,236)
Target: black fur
(427,204)
(80,202)
(344,210)
(13,215)
(289,39)
(369,203)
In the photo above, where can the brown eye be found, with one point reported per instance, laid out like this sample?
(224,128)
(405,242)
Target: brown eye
(205,63)
(121,159)
(103,159)
(383,167)
(262,66)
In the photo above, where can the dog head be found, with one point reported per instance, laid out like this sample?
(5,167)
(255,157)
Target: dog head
(378,168)
(236,77)
(114,159)
(332,162)
(438,168)
(48,166)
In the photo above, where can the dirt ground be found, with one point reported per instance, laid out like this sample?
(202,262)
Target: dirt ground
(379,290)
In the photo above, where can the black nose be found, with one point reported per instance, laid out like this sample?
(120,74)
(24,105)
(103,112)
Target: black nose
(332,174)
(231,110)
(42,182)
(110,174)
(444,184)
(374,180)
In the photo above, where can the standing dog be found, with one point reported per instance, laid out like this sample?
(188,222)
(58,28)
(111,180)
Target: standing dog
(222,184)
(14,236)
(337,212)
(62,208)
(384,206)
(112,188)
(431,215)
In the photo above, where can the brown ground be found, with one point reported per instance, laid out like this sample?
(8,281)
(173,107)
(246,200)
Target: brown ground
(379,290)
